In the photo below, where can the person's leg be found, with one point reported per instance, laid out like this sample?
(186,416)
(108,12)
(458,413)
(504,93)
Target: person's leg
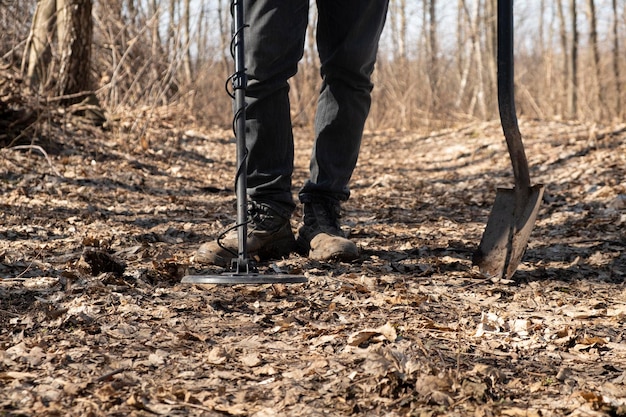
(348,33)
(274,42)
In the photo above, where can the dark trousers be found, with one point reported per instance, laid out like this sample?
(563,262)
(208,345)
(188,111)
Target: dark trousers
(348,32)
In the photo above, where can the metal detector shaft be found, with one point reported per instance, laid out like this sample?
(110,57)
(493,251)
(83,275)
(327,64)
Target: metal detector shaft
(240,83)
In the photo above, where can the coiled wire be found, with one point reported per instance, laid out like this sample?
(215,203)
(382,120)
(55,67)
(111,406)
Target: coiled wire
(238,80)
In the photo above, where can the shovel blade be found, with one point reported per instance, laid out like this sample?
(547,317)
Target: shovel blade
(508,230)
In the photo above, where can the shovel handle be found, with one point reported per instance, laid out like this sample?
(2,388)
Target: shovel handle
(506,96)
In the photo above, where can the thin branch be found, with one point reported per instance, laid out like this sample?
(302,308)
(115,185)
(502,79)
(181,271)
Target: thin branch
(43,152)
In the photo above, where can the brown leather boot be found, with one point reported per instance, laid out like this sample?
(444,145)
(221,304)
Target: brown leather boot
(269,237)
(321,234)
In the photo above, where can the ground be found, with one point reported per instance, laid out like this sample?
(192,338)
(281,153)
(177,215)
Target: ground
(99,226)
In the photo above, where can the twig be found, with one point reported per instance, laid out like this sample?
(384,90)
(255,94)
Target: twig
(191,405)
(43,152)
(9,313)
(10,54)
(30,264)
(108,375)
(69,96)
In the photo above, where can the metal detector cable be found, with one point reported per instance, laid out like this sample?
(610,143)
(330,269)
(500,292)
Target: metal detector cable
(237,79)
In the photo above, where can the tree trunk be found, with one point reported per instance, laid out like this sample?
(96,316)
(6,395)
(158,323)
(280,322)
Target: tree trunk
(464,61)
(573,84)
(72,19)
(397,18)
(477,101)
(187,41)
(74,29)
(38,54)
(156,39)
(565,48)
(433,49)
(593,39)
(491,48)
(616,69)
(68,76)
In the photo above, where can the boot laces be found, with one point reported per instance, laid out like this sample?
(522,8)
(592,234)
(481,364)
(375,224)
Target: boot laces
(327,215)
(263,216)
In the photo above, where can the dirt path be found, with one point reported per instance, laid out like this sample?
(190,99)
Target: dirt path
(94,320)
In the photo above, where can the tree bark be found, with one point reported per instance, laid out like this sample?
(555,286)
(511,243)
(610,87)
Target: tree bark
(573,84)
(593,39)
(68,75)
(187,41)
(74,28)
(397,19)
(72,20)
(172,31)
(156,39)
(433,49)
(565,48)
(38,53)
(616,68)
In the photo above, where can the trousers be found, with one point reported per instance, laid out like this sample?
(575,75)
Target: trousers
(348,33)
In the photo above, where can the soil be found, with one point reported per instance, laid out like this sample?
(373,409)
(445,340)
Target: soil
(99,227)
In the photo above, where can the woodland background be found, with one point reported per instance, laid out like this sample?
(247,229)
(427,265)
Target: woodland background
(436,66)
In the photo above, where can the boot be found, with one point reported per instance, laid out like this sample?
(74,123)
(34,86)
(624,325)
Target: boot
(269,237)
(321,235)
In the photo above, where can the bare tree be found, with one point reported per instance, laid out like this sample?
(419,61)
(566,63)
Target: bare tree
(573,81)
(75,36)
(541,29)
(144,53)
(564,45)
(64,71)
(433,51)
(616,68)
(171,40)
(593,40)
(491,32)
(462,60)
(475,60)
(38,52)
(186,43)
(156,43)
(397,19)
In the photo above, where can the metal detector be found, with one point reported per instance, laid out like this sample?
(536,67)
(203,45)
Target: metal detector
(243,269)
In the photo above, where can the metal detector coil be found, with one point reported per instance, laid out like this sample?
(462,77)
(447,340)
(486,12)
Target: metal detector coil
(249,278)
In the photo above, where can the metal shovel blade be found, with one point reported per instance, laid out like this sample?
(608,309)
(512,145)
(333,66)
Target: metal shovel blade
(507,232)
(515,210)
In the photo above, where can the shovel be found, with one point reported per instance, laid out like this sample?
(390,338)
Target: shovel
(514,212)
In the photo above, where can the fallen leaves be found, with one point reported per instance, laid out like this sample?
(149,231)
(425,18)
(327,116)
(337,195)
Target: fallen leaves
(20,376)
(435,389)
(520,412)
(386,332)
(96,322)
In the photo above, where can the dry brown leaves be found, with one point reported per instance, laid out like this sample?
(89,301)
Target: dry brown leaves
(94,320)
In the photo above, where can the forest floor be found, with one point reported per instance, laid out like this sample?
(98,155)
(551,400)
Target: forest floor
(98,228)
